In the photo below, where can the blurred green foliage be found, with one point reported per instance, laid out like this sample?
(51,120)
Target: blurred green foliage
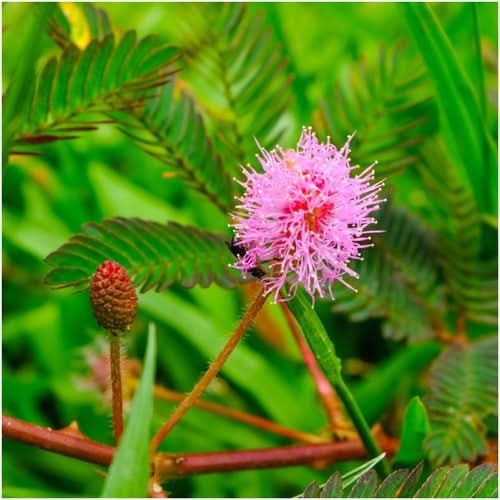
(103,174)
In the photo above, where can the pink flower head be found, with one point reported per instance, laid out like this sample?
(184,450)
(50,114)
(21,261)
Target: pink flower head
(305,217)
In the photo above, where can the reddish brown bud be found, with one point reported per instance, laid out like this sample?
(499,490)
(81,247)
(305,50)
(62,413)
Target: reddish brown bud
(113,297)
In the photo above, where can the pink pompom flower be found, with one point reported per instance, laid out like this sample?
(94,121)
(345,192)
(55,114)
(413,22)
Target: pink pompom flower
(305,217)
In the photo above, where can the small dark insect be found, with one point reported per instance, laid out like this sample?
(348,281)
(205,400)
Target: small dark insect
(236,249)
(240,251)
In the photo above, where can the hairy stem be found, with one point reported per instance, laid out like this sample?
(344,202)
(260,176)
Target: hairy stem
(240,416)
(212,371)
(325,391)
(188,464)
(116,385)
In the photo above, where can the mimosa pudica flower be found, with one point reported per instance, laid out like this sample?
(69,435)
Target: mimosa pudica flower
(305,217)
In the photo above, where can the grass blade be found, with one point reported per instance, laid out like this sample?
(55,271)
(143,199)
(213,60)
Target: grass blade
(468,135)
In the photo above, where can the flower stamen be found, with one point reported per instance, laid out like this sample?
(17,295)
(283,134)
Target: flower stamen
(306,216)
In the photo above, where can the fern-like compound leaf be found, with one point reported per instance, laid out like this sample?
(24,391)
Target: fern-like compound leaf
(171,129)
(72,23)
(444,482)
(239,72)
(463,390)
(169,126)
(155,255)
(471,282)
(390,111)
(398,279)
(474,480)
(75,89)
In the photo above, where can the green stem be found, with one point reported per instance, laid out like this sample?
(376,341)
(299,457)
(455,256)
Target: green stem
(324,350)
(361,425)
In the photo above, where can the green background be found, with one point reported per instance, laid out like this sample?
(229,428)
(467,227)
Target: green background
(46,199)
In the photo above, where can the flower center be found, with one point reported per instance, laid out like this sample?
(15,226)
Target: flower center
(314,217)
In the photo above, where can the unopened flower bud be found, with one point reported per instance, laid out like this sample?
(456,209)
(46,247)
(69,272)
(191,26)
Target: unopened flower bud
(113,297)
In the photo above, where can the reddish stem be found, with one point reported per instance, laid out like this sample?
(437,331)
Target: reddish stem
(241,416)
(325,390)
(62,442)
(187,464)
(176,465)
(116,385)
(212,371)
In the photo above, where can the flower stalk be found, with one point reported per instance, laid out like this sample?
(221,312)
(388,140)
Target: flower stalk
(336,419)
(114,304)
(116,384)
(212,371)
(324,351)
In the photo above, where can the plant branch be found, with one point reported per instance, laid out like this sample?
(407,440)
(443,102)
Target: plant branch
(65,443)
(238,415)
(212,371)
(177,465)
(325,391)
(324,351)
(116,384)
(188,464)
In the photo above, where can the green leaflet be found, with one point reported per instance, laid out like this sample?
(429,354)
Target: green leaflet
(65,27)
(97,79)
(398,278)
(20,91)
(367,99)
(241,76)
(98,20)
(463,390)
(467,132)
(128,475)
(155,255)
(365,485)
(445,482)
(171,129)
